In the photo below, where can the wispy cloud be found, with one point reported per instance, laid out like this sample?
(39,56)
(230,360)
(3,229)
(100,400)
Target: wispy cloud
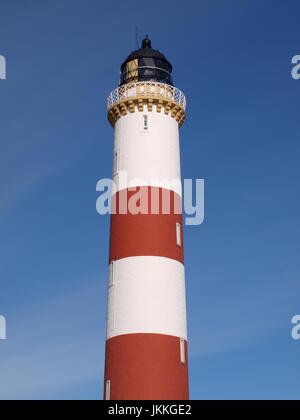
(56,345)
(16,183)
(232,321)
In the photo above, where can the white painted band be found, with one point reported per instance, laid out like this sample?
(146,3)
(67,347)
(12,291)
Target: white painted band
(148,156)
(146,295)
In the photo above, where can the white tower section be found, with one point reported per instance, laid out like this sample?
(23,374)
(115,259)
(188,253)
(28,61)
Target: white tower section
(146,139)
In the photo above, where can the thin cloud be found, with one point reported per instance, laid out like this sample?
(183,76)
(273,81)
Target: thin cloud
(57,345)
(231,323)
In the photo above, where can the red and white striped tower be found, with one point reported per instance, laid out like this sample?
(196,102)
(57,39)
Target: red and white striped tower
(146,347)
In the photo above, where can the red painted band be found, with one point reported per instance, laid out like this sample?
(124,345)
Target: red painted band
(146,234)
(146,367)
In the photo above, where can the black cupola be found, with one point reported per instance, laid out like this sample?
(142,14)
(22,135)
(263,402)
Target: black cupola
(146,64)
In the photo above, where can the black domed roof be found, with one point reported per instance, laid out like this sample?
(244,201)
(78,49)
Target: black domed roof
(146,64)
(146,51)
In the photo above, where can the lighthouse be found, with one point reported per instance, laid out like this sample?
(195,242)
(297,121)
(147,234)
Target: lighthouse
(146,346)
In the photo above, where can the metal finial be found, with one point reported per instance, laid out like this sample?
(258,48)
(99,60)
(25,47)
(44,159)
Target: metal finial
(146,42)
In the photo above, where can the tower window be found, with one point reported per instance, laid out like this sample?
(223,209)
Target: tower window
(116,163)
(107,391)
(112,274)
(182,350)
(145,122)
(178,234)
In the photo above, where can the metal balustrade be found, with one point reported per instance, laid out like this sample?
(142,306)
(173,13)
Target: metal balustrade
(153,90)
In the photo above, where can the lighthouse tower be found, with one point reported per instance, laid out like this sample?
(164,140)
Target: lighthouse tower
(146,347)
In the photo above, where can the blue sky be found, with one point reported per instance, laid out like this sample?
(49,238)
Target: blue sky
(233,61)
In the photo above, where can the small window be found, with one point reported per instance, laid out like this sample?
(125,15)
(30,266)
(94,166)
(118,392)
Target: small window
(145,121)
(107,391)
(182,350)
(116,163)
(178,234)
(112,274)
